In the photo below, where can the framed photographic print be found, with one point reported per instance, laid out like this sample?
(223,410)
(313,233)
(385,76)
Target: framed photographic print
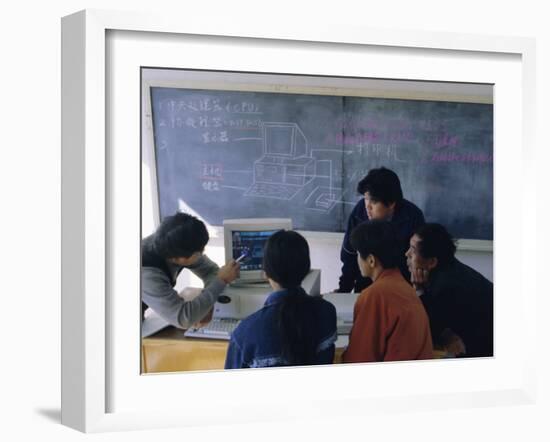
(109,202)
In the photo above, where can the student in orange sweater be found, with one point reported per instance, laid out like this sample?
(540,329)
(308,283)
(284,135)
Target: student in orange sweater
(389,321)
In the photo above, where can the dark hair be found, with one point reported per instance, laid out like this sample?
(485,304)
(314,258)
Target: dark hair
(377,237)
(286,261)
(435,242)
(180,235)
(383,185)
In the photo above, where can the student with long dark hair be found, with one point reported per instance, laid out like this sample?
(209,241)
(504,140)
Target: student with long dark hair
(292,328)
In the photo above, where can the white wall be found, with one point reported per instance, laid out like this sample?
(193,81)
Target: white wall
(481,261)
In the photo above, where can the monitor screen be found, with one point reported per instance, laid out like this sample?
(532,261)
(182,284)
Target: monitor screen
(248,236)
(251,244)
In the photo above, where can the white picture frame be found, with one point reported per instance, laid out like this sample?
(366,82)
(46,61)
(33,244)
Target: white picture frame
(94,236)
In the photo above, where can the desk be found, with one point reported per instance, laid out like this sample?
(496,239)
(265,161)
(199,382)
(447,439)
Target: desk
(170,351)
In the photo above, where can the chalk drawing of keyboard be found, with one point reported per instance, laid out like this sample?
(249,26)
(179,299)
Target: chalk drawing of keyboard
(273,190)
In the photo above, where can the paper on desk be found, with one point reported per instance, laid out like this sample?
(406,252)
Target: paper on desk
(152,323)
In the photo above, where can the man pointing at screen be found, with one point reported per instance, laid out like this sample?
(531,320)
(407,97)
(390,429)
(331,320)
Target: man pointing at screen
(178,243)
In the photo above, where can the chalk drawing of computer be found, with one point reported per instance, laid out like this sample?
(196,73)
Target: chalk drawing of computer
(285,167)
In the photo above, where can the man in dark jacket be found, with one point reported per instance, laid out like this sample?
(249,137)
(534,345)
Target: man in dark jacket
(382,200)
(458,300)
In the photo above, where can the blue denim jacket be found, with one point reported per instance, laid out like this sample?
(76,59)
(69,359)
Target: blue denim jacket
(256,341)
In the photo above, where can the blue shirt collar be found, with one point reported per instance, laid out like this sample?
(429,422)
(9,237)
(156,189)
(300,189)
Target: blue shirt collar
(275,297)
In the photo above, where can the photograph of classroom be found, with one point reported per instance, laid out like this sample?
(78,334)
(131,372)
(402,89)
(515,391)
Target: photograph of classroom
(299,220)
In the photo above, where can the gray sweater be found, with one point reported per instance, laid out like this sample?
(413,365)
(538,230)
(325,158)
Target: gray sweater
(157,292)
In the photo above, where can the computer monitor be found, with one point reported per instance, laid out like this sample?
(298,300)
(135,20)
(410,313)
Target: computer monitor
(248,236)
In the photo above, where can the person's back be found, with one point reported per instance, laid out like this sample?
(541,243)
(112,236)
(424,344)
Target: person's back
(292,328)
(390,323)
(259,340)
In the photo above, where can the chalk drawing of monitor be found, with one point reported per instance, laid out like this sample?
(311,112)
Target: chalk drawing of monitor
(285,167)
(284,139)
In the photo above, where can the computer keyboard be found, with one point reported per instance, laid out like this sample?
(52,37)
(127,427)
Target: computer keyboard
(217,328)
(221,328)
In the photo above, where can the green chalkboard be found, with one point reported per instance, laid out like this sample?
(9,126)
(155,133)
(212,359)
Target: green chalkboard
(229,154)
